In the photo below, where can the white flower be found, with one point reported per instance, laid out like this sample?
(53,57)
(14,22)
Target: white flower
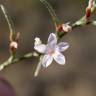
(52,51)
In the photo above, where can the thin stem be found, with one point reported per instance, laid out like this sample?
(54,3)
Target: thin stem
(12,60)
(38,67)
(15,60)
(9,21)
(6,63)
(82,21)
(52,12)
(94,23)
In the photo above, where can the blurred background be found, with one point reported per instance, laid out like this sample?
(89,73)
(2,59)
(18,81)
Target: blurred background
(77,77)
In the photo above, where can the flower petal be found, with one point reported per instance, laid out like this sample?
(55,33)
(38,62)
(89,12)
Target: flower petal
(59,58)
(47,60)
(52,38)
(40,48)
(63,46)
(37,41)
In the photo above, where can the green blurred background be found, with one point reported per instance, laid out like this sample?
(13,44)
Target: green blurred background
(31,19)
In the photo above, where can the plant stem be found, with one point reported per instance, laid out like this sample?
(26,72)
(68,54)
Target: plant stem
(38,67)
(15,60)
(9,21)
(52,13)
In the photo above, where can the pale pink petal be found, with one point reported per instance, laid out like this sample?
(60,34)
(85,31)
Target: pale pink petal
(47,60)
(40,48)
(59,58)
(52,39)
(63,46)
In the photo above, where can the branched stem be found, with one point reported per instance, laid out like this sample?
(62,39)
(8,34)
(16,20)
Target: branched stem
(12,59)
(15,60)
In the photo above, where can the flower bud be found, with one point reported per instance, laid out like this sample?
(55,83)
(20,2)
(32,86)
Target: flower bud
(88,12)
(13,46)
(91,4)
(66,27)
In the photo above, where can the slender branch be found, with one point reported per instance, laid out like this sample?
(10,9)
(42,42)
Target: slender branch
(9,21)
(12,60)
(94,23)
(6,63)
(52,12)
(38,67)
(15,60)
(82,21)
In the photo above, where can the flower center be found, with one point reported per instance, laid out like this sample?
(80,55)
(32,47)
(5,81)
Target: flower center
(50,51)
